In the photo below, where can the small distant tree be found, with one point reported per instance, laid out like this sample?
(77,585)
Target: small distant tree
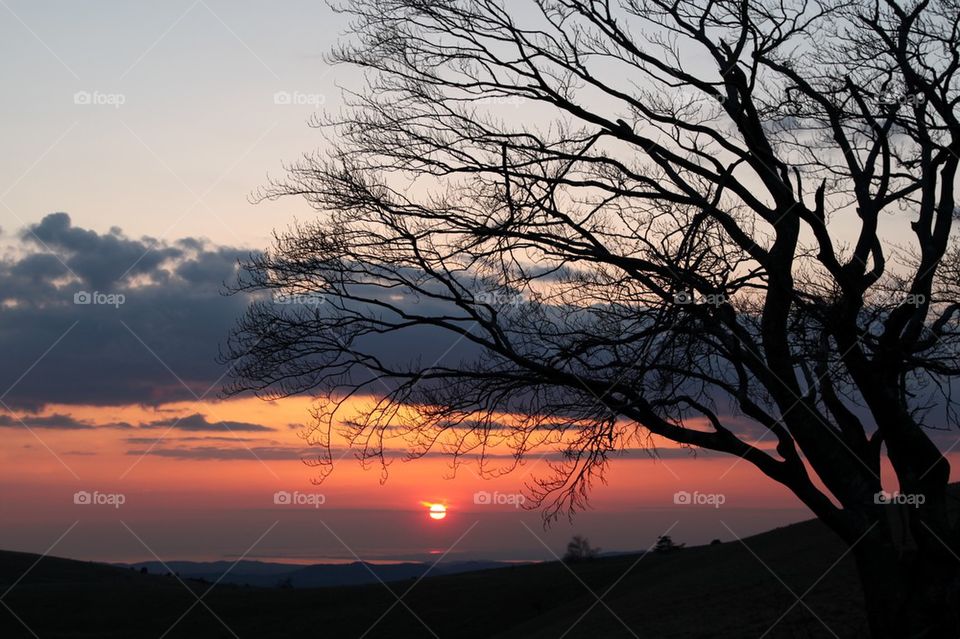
(579,549)
(715,542)
(665,544)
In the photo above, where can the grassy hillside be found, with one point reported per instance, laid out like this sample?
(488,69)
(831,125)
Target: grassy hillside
(720,591)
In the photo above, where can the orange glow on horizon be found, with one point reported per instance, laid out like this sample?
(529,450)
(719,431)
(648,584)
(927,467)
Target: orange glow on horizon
(163,465)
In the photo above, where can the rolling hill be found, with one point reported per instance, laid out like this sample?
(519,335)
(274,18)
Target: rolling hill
(730,590)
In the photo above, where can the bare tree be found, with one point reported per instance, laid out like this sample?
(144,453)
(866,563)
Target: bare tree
(728,224)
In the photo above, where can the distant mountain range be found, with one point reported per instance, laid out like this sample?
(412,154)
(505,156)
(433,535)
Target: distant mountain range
(269,574)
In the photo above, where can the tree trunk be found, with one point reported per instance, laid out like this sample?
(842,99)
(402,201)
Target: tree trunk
(910,593)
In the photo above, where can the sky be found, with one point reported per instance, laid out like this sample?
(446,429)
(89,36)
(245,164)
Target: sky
(135,134)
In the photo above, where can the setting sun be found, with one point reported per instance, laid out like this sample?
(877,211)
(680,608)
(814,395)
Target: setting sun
(437,511)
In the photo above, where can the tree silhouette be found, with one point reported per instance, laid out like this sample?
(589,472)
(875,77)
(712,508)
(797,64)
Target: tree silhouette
(692,220)
(579,549)
(665,544)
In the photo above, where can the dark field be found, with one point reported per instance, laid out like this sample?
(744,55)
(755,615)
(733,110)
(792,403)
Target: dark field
(720,591)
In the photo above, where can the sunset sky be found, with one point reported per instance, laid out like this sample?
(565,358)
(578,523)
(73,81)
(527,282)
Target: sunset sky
(142,130)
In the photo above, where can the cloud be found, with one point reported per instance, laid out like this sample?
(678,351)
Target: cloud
(218,453)
(100,260)
(195,423)
(150,321)
(298,453)
(161,344)
(55,421)
(156,340)
(211,438)
(199,423)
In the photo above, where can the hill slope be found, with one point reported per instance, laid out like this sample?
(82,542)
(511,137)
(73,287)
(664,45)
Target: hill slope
(729,590)
(269,575)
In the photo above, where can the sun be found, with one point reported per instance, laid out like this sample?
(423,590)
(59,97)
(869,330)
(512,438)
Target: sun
(437,511)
